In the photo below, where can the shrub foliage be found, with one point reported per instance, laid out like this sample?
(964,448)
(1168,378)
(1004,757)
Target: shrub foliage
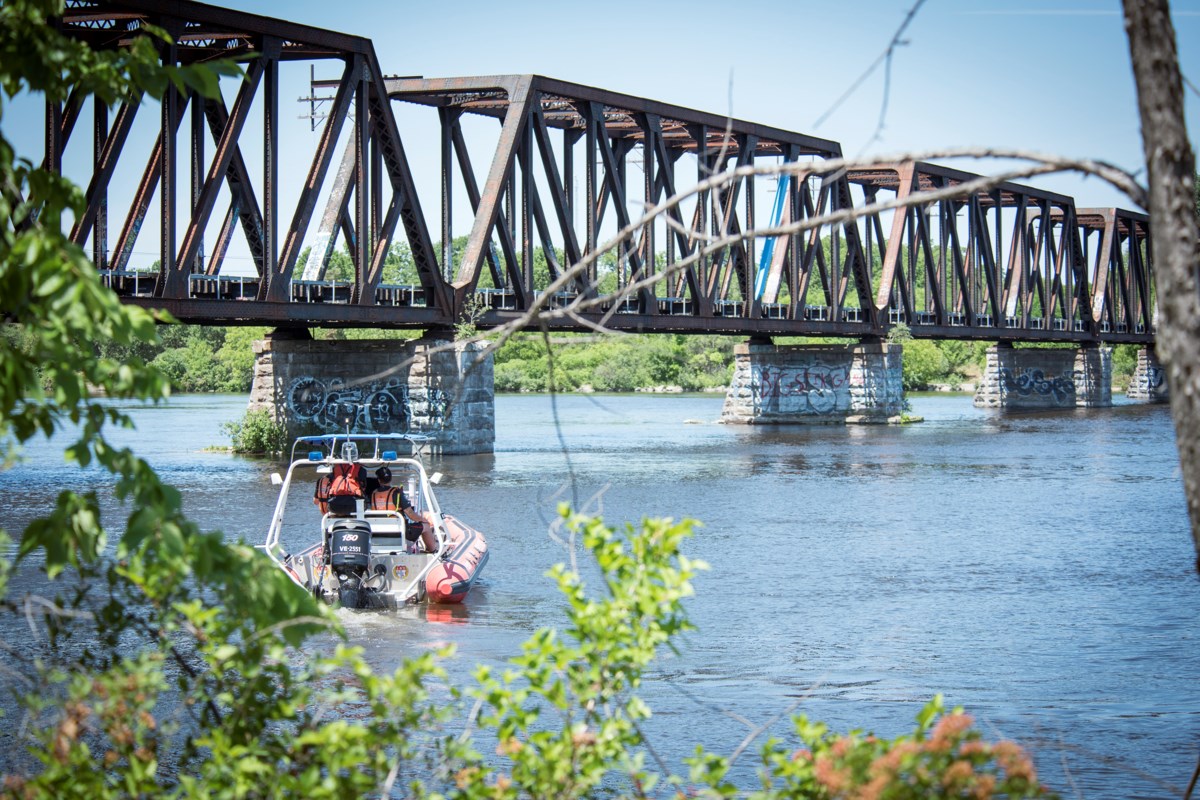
(257,433)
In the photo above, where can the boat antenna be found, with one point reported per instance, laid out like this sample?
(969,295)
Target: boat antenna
(348,410)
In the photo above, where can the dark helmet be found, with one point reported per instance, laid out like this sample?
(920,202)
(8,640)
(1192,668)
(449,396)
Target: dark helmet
(384,474)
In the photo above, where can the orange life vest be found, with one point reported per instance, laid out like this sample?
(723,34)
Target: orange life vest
(347,481)
(321,495)
(385,498)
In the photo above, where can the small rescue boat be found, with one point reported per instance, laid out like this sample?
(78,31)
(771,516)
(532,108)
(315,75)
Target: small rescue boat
(368,558)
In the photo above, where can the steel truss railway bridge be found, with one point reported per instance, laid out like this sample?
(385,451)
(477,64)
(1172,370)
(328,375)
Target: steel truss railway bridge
(561,167)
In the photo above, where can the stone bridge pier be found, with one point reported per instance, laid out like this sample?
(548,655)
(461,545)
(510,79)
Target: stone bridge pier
(1040,378)
(1149,383)
(430,385)
(815,384)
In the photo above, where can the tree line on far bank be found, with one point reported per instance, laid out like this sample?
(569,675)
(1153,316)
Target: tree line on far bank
(211,359)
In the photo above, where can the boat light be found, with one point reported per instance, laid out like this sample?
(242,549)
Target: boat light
(389,455)
(315,455)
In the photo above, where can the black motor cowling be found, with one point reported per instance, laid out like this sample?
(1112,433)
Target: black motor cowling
(350,560)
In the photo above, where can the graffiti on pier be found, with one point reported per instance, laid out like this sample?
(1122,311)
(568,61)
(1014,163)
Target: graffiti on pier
(817,389)
(332,405)
(1031,382)
(432,405)
(1149,382)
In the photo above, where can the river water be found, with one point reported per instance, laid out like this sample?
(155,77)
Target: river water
(1034,568)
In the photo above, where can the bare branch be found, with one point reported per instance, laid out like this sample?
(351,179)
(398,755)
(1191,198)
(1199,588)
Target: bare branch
(557,425)
(1109,761)
(1041,164)
(385,791)
(884,58)
(48,608)
(658,759)
(1187,795)
(471,718)
(766,726)
(1188,83)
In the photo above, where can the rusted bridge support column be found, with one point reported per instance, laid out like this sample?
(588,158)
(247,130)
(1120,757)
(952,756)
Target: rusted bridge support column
(430,385)
(1149,382)
(1036,378)
(815,384)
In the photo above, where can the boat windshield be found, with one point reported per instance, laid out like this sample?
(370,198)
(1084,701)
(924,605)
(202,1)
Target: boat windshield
(376,446)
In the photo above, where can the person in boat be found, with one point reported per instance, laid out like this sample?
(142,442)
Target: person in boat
(321,492)
(392,498)
(347,483)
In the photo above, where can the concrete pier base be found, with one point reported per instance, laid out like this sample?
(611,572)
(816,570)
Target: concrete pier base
(1036,378)
(430,385)
(1149,383)
(814,384)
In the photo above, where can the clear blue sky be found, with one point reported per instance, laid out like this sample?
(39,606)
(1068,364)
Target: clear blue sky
(1047,76)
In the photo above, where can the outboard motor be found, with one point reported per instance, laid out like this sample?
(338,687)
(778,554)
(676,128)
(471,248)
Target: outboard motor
(350,560)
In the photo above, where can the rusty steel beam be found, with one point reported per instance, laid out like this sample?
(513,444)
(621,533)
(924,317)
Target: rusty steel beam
(103,167)
(108,22)
(335,211)
(218,170)
(463,158)
(141,199)
(277,282)
(404,192)
(238,180)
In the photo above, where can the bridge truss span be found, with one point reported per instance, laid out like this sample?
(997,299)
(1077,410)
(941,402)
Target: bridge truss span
(189,277)
(497,196)
(1012,261)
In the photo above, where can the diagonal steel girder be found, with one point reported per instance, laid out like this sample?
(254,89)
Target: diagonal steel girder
(405,204)
(218,172)
(276,288)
